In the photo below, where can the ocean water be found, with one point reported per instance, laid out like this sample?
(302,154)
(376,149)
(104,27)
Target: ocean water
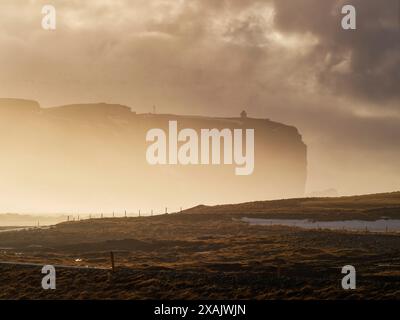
(5,229)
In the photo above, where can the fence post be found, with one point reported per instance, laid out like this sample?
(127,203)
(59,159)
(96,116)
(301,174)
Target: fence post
(112,261)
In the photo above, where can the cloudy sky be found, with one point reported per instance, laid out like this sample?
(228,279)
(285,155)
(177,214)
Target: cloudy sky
(286,60)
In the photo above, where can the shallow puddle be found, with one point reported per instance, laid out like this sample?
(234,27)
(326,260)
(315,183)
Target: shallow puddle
(383,225)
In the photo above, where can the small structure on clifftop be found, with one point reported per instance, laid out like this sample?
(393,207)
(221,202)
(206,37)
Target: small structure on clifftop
(243,114)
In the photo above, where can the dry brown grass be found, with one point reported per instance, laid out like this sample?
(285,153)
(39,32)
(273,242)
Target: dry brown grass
(199,256)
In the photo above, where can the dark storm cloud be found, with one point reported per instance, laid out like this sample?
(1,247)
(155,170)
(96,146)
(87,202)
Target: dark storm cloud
(362,64)
(370,55)
(209,48)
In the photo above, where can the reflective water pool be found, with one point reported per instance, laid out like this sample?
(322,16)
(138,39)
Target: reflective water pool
(382,225)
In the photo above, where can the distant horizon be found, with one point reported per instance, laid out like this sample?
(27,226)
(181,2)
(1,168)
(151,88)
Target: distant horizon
(130,213)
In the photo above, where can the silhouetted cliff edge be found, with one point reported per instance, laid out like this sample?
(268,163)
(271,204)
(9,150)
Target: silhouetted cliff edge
(92,157)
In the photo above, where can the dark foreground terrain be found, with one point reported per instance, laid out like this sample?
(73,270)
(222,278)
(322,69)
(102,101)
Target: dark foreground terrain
(204,254)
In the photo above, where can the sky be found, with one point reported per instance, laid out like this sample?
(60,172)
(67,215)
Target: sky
(289,61)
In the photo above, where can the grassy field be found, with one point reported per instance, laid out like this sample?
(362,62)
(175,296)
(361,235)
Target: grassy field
(207,253)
